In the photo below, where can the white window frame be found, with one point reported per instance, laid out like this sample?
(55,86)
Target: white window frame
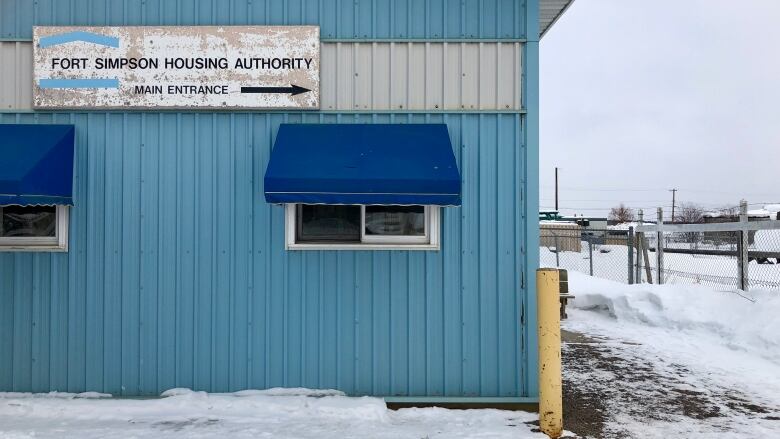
(430,241)
(56,243)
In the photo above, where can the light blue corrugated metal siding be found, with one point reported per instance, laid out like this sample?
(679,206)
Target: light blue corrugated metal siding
(337,18)
(177,274)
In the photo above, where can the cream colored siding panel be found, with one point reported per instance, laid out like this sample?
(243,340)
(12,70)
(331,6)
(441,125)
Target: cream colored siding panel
(380,75)
(364,76)
(416,77)
(452,76)
(434,76)
(469,87)
(15,74)
(328,76)
(422,76)
(23,88)
(488,76)
(507,72)
(345,76)
(399,75)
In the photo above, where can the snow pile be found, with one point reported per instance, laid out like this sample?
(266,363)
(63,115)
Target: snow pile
(774,208)
(767,240)
(740,321)
(676,360)
(60,395)
(292,391)
(557,223)
(276,391)
(625,226)
(759,213)
(277,413)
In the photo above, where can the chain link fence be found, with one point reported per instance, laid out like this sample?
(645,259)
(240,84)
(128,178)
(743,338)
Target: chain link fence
(597,252)
(701,254)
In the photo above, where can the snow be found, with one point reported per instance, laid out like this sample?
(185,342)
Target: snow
(759,213)
(774,208)
(721,346)
(767,240)
(277,413)
(742,321)
(59,395)
(625,226)
(611,262)
(557,223)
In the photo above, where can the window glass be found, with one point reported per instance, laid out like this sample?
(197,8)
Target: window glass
(28,221)
(395,220)
(328,223)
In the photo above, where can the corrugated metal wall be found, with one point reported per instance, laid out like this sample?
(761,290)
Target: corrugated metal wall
(381,76)
(177,274)
(372,19)
(354,76)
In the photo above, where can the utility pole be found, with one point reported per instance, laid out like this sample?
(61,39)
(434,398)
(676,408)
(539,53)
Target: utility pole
(674,192)
(556,188)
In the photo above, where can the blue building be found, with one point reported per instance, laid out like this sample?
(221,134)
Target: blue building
(222,250)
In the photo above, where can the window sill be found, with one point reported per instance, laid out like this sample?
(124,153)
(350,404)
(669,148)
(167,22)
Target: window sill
(360,247)
(33,248)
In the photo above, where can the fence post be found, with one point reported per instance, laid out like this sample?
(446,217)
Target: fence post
(630,247)
(659,247)
(743,247)
(557,251)
(638,273)
(590,253)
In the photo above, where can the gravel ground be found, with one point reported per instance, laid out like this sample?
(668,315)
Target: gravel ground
(607,385)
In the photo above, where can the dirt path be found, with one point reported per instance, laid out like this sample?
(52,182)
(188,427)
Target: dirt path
(611,390)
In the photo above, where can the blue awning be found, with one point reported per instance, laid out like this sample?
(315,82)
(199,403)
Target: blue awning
(36,164)
(363,164)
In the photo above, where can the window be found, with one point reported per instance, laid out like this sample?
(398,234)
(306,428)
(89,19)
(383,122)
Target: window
(31,228)
(345,227)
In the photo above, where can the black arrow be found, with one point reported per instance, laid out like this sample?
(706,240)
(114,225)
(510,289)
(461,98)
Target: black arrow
(292,89)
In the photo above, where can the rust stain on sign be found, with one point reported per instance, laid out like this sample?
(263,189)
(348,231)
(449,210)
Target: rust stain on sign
(186,67)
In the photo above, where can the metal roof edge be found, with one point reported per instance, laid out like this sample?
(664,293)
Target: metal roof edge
(555,20)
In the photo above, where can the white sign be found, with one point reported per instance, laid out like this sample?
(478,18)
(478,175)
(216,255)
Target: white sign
(260,67)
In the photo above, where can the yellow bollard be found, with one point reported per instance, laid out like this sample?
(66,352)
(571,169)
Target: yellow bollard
(549,318)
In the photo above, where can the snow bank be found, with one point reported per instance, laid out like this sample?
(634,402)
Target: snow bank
(277,413)
(750,323)
(292,391)
(625,226)
(59,395)
(767,240)
(774,208)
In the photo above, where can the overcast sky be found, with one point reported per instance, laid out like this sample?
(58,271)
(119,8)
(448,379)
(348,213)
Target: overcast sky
(638,97)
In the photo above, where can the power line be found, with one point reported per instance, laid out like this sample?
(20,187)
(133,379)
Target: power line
(614,200)
(599,189)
